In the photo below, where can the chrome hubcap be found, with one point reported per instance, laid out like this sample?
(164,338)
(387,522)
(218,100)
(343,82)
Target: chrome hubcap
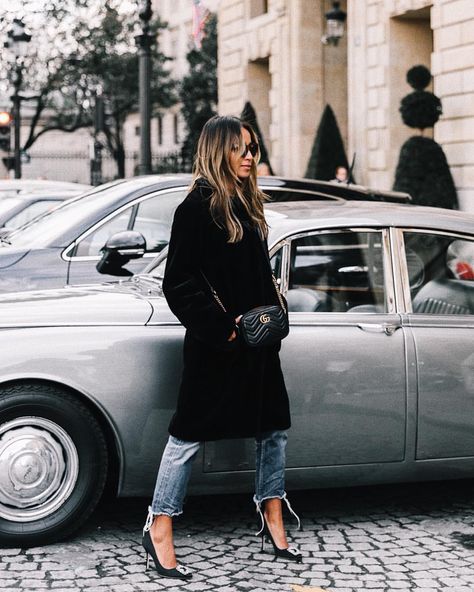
(39,466)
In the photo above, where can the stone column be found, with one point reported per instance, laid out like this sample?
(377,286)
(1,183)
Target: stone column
(453,71)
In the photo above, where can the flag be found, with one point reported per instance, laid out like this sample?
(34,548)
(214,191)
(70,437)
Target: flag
(200,14)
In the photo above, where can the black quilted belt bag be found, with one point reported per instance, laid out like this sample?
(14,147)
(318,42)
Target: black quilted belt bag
(264,325)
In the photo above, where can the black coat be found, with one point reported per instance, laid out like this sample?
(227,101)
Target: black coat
(228,390)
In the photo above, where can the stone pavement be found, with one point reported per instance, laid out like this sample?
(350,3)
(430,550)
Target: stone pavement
(372,539)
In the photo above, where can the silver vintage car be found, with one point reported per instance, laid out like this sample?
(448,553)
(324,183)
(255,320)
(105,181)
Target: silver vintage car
(379,366)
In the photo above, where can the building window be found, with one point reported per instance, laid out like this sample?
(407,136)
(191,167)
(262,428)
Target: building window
(258,7)
(259,85)
(159,127)
(137,130)
(175,129)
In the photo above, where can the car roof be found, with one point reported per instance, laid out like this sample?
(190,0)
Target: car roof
(30,196)
(286,218)
(340,190)
(107,198)
(40,184)
(324,188)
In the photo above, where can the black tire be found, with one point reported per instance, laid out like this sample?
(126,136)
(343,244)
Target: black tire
(53,464)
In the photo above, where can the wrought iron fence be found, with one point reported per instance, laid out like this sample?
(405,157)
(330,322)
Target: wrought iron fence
(77,166)
(173,162)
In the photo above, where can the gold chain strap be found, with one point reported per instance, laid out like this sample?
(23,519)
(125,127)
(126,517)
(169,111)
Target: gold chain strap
(216,296)
(277,288)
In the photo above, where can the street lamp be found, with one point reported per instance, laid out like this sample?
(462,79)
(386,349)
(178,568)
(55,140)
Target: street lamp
(335,19)
(144,42)
(17,44)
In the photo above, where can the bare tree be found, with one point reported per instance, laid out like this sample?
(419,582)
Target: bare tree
(86,48)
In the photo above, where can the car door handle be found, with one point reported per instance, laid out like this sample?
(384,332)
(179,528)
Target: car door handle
(387,328)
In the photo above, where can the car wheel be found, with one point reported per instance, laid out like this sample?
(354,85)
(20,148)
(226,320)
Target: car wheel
(53,464)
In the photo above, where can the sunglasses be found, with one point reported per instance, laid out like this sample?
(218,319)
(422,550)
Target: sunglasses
(252,147)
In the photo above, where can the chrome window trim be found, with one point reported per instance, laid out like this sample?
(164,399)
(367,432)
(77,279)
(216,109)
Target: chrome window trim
(392,302)
(400,269)
(454,233)
(389,273)
(404,267)
(67,257)
(290,234)
(285,262)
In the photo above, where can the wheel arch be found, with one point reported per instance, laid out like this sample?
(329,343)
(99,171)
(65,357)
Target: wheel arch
(113,442)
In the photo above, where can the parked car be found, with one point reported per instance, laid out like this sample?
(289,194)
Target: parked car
(17,211)
(78,242)
(12,187)
(379,366)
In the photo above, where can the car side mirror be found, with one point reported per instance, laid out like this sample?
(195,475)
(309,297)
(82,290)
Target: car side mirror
(119,249)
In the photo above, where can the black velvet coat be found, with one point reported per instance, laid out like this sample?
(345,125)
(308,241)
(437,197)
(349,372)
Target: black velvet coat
(228,390)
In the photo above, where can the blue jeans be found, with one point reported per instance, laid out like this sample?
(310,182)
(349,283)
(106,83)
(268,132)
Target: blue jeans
(176,463)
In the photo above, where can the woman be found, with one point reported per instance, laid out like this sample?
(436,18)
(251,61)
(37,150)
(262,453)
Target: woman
(217,268)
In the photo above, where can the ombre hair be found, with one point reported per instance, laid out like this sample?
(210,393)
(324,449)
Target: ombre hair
(219,137)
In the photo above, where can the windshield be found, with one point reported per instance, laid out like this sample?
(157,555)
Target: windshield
(7,204)
(43,231)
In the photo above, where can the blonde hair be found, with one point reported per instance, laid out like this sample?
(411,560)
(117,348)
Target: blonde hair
(219,137)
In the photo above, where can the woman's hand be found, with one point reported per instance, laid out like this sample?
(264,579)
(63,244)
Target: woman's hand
(234,333)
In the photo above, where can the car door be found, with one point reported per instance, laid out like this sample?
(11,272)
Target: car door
(151,215)
(439,282)
(344,360)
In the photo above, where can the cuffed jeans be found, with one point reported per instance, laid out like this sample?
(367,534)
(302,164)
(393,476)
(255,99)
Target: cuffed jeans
(176,463)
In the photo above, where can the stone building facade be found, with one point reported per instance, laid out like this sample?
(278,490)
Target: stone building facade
(386,39)
(270,53)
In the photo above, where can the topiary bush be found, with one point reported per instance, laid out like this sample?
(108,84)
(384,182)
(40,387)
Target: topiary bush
(423,169)
(423,172)
(420,109)
(328,149)
(249,116)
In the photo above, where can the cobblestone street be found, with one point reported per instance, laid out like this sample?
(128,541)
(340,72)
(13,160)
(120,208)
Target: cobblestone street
(404,537)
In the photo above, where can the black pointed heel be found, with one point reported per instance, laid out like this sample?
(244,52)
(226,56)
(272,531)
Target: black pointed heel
(292,553)
(180,572)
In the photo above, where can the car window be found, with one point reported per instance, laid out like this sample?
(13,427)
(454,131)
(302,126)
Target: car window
(48,228)
(154,217)
(91,245)
(31,211)
(440,273)
(337,271)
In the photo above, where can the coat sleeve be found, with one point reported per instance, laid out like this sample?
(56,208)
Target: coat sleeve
(184,287)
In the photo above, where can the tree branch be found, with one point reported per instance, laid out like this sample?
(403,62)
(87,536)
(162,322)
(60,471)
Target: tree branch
(78,124)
